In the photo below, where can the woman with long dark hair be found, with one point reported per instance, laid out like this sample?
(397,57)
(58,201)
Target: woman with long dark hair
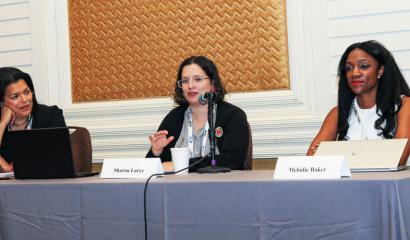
(198,74)
(373,99)
(20,110)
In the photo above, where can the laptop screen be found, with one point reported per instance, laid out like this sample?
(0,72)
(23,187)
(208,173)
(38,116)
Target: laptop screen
(41,153)
(362,154)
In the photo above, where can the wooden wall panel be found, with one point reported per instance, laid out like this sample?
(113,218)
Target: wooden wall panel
(131,49)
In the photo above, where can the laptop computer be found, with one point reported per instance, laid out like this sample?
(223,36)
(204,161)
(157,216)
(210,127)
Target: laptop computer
(367,155)
(42,153)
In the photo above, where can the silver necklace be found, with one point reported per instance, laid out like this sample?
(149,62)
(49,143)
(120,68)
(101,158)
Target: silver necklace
(356,113)
(363,126)
(18,125)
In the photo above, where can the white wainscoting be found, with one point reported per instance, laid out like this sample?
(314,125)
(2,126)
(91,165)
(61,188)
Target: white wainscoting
(34,37)
(352,21)
(15,44)
(282,122)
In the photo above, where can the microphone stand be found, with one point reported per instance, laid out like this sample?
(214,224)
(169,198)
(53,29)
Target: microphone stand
(213,168)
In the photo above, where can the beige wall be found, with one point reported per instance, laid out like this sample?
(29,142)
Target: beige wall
(282,122)
(129,49)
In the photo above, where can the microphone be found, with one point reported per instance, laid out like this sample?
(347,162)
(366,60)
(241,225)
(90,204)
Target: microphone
(204,97)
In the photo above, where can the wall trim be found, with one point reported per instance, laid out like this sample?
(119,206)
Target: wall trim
(117,128)
(299,45)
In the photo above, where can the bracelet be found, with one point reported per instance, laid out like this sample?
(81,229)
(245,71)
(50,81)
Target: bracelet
(11,167)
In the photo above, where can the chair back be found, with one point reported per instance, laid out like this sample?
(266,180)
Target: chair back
(247,164)
(82,149)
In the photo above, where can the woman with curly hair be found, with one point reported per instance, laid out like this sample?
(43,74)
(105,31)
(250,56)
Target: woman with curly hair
(373,99)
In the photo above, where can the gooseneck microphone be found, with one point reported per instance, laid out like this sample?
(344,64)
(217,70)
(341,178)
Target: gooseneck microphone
(204,97)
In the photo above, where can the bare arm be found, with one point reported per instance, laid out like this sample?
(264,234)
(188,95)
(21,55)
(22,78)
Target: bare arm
(7,115)
(403,128)
(4,166)
(328,132)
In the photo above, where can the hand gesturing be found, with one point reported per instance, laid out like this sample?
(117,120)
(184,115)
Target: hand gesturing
(159,141)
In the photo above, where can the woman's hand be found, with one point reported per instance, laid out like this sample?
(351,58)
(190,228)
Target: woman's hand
(168,166)
(7,115)
(159,141)
(4,166)
(328,132)
(314,148)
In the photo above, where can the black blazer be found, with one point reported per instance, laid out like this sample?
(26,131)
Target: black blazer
(43,117)
(232,145)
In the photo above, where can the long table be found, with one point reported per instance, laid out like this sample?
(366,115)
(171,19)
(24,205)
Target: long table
(237,205)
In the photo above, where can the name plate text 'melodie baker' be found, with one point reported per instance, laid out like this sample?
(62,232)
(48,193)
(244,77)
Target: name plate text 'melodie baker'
(131,168)
(311,167)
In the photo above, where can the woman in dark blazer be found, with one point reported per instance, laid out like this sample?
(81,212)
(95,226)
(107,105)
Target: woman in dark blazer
(20,110)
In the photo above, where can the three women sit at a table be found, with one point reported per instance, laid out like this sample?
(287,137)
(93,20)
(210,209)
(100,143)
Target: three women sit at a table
(373,103)
(373,99)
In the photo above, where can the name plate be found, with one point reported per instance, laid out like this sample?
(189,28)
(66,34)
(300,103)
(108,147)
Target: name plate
(312,167)
(131,167)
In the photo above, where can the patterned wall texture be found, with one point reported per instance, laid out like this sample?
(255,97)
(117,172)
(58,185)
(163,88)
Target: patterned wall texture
(128,49)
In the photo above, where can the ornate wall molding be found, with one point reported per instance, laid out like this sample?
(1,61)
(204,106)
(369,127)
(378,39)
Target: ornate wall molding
(124,50)
(58,70)
(282,122)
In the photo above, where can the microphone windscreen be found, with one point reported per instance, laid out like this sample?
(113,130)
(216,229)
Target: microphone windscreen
(202,99)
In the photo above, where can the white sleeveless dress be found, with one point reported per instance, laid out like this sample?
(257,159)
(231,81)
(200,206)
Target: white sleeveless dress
(365,130)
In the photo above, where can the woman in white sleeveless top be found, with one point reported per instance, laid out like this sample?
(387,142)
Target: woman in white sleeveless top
(373,99)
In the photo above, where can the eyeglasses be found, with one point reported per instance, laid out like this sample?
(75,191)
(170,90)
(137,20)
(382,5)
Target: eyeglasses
(196,81)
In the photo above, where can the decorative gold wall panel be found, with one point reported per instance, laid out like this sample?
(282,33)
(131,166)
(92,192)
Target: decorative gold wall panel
(128,49)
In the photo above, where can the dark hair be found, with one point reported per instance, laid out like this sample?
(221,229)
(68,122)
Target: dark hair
(9,75)
(391,86)
(211,71)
